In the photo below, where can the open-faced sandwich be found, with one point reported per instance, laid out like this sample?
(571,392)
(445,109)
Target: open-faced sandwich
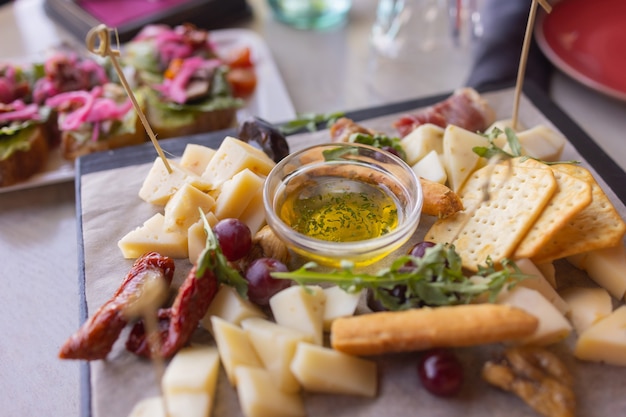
(189,87)
(100,119)
(24,134)
(65,71)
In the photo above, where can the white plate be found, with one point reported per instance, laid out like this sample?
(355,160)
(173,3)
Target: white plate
(270,101)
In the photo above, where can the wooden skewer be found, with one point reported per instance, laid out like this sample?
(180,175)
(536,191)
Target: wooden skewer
(98,42)
(524,57)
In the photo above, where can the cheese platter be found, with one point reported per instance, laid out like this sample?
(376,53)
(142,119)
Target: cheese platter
(112,387)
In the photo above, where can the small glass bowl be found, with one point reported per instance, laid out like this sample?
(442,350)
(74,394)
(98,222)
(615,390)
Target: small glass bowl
(343,202)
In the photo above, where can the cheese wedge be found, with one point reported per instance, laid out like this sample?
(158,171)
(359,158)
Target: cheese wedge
(538,282)
(149,407)
(160,184)
(254,214)
(604,341)
(260,397)
(190,380)
(458,154)
(607,267)
(431,168)
(237,193)
(587,306)
(541,142)
(196,237)
(422,140)
(234,347)
(151,236)
(553,326)
(182,209)
(339,303)
(232,157)
(196,157)
(230,306)
(321,369)
(301,309)
(276,346)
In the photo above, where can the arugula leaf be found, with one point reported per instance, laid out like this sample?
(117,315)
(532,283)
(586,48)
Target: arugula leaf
(379,141)
(514,145)
(213,258)
(310,122)
(436,279)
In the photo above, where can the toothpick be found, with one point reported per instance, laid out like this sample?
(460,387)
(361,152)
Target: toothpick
(524,57)
(98,42)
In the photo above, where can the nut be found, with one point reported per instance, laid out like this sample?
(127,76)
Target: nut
(535,375)
(266,244)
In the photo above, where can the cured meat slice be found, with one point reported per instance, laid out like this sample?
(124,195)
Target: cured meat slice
(465,108)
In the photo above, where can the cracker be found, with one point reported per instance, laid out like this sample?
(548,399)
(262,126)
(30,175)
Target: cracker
(425,328)
(570,198)
(508,199)
(597,226)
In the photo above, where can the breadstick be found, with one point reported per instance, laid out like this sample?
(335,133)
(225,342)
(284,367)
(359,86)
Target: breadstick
(439,200)
(425,328)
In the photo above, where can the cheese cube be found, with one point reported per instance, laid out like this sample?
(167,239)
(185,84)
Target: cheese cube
(230,306)
(553,326)
(160,184)
(301,309)
(254,215)
(537,282)
(607,267)
(459,157)
(196,157)
(587,306)
(151,236)
(320,369)
(604,341)
(232,157)
(237,193)
(182,209)
(431,168)
(422,140)
(276,346)
(260,397)
(189,405)
(192,369)
(541,142)
(234,347)
(190,380)
(149,407)
(339,303)
(503,124)
(196,237)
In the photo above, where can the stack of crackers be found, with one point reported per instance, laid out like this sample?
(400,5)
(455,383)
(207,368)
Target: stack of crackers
(522,208)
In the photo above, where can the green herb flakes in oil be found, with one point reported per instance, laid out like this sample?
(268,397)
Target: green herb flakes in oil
(340,210)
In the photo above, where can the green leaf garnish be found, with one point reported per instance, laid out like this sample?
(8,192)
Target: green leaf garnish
(514,145)
(436,279)
(213,258)
(310,122)
(379,141)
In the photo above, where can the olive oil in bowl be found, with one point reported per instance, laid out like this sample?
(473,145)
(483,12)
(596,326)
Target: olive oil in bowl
(340,202)
(340,210)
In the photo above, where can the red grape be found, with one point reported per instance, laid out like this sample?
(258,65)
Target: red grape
(419,249)
(234,237)
(261,285)
(441,372)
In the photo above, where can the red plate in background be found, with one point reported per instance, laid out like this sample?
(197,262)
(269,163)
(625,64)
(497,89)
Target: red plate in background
(587,41)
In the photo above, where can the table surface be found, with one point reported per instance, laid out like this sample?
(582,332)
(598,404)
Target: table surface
(336,70)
